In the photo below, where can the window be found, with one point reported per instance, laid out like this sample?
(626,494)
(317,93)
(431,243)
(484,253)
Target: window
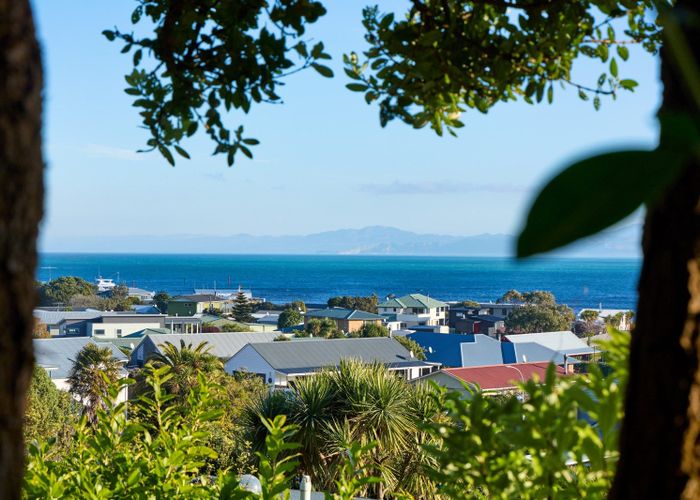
(98,332)
(119,332)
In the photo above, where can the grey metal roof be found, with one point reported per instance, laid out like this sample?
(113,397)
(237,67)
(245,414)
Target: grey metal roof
(223,345)
(296,356)
(417,300)
(55,317)
(60,353)
(564,342)
(198,298)
(483,351)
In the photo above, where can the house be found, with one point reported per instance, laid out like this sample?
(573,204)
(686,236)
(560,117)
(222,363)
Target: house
(224,293)
(415,309)
(279,363)
(607,315)
(266,317)
(189,305)
(456,350)
(463,320)
(61,323)
(348,320)
(121,324)
(57,356)
(184,324)
(465,350)
(494,379)
(222,345)
(141,294)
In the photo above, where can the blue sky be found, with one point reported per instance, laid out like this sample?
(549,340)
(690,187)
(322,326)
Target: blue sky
(324,162)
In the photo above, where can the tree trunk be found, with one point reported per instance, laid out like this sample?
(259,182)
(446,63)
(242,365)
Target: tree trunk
(660,436)
(21,201)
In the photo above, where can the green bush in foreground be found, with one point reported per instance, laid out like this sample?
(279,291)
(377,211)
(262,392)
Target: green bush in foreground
(360,431)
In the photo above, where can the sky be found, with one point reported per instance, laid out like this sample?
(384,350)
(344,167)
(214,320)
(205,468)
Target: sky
(324,162)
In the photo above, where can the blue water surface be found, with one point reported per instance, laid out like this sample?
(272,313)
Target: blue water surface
(281,278)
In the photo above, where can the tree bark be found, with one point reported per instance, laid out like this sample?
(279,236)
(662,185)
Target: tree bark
(660,435)
(21,202)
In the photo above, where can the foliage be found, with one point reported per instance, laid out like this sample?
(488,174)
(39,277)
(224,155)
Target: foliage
(94,371)
(468,303)
(370,330)
(558,440)
(539,313)
(368,303)
(51,414)
(321,328)
(360,404)
(281,338)
(231,326)
(589,315)
(441,58)
(206,57)
(299,305)
(61,290)
(412,346)
(40,330)
(160,300)
(533,318)
(157,457)
(288,318)
(226,435)
(266,306)
(353,478)
(242,308)
(186,363)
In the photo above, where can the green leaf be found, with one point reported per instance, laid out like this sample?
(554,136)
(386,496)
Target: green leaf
(357,87)
(323,70)
(623,52)
(594,194)
(182,152)
(628,84)
(167,155)
(613,67)
(110,35)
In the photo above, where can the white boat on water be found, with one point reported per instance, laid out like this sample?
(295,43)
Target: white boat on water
(104,284)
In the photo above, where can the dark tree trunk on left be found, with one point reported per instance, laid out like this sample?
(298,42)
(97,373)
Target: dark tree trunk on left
(21,202)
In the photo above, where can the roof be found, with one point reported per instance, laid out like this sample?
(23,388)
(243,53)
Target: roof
(145,309)
(223,345)
(348,314)
(198,298)
(307,355)
(58,354)
(140,291)
(459,350)
(55,317)
(491,318)
(500,376)
(148,331)
(484,350)
(564,342)
(413,300)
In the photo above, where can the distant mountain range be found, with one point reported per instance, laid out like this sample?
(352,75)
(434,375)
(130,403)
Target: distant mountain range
(374,240)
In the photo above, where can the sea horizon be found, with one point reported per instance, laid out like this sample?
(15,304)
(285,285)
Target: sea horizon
(576,281)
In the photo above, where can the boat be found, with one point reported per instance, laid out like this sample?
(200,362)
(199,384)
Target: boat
(104,284)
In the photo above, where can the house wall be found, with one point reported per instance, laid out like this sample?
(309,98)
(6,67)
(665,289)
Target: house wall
(248,360)
(112,330)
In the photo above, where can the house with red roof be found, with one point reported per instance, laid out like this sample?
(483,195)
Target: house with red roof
(492,379)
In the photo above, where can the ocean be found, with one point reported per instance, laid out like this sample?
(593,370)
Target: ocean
(281,278)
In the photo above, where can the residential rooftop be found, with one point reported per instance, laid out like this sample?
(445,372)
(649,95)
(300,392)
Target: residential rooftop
(413,300)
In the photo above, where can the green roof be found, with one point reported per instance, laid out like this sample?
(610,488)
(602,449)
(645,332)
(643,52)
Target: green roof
(340,313)
(148,331)
(415,300)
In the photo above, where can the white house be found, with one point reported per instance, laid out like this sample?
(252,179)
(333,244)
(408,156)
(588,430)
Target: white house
(57,356)
(279,363)
(121,324)
(414,309)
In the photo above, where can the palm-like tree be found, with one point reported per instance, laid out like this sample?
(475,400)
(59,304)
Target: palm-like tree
(94,369)
(186,363)
(357,403)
